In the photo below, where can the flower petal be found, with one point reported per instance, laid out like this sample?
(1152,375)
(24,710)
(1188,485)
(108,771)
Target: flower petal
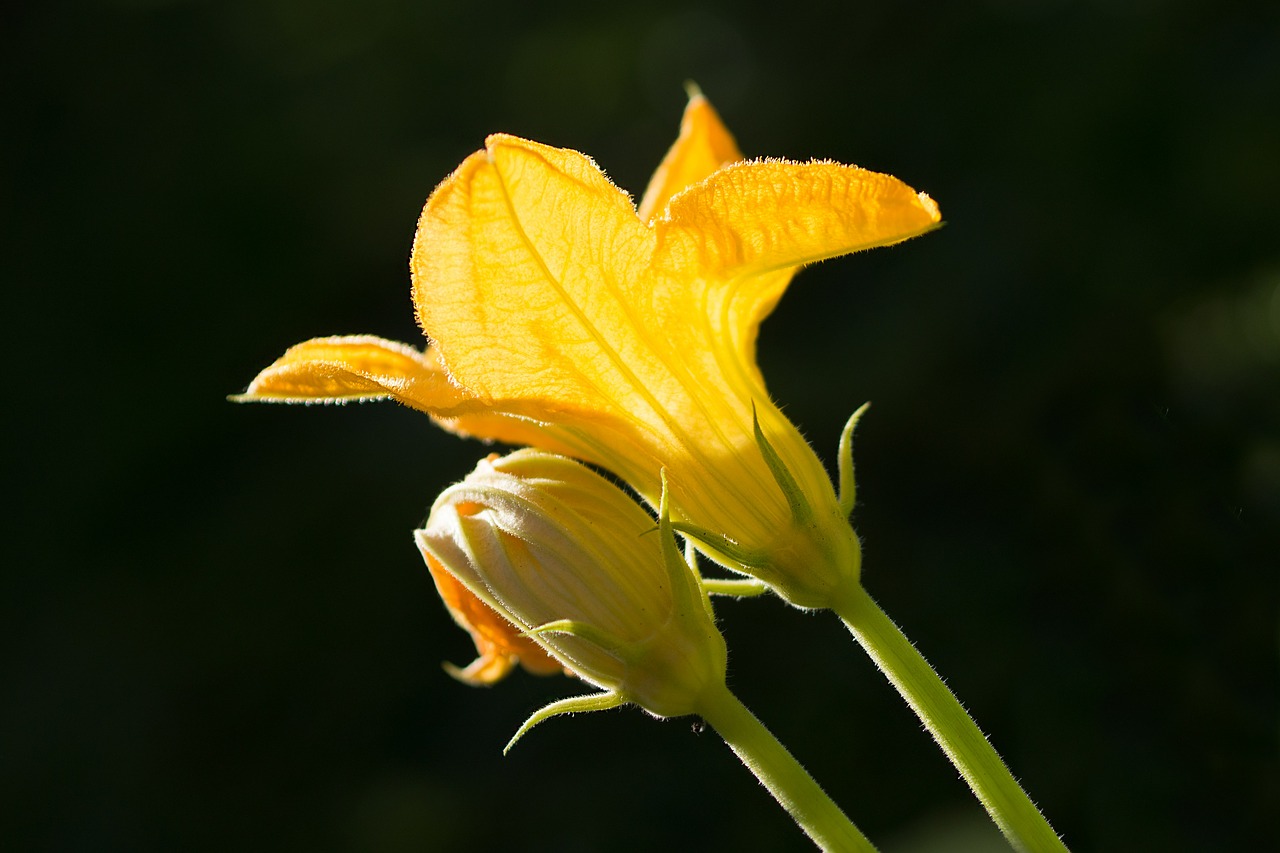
(353,367)
(525,264)
(499,644)
(754,218)
(536,279)
(703,146)
(745,229)
(363,367)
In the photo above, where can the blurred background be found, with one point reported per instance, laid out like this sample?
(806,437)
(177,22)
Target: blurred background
(217,631)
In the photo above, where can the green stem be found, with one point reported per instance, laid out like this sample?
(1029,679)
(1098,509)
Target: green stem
(949,723)
(790,784)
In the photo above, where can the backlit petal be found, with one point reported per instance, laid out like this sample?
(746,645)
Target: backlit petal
(362,367)
(753,218)
(533,274)
(525,266)
(746,229)
(703,146)
(353,367)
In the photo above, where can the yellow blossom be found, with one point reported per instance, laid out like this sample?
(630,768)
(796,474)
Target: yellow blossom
(562,316)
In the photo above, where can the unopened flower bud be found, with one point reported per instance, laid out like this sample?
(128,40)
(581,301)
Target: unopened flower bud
(576,564)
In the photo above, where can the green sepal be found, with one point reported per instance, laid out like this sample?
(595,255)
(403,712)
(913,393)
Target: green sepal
(799,504)
(687,592)
(735,587)
(570,705)
(848,488)
(590,633)
(691,556)
(750,558)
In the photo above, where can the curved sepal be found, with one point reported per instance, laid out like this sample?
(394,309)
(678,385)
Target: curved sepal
(687,591)
(848,488)
(570,705)
(801,511)
(582,631)
(749,558)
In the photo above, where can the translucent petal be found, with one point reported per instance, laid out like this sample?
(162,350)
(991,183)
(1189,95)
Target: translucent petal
(754,218)
(744,231)
(527,265)
(354,367)
(362,367)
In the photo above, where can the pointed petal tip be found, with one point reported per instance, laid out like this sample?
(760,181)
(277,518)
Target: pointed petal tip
(703,146)
(498,143)
(497,140)
(930,207)
(485,671)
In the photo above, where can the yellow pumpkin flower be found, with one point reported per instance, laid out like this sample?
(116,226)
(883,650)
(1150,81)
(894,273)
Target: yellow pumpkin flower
(563,316)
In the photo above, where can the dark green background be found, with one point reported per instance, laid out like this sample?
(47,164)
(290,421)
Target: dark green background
(217,632)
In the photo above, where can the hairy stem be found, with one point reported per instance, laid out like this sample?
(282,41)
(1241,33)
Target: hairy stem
(951,726)
(791,785)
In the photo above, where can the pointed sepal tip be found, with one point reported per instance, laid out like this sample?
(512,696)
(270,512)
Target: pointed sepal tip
(848,487)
